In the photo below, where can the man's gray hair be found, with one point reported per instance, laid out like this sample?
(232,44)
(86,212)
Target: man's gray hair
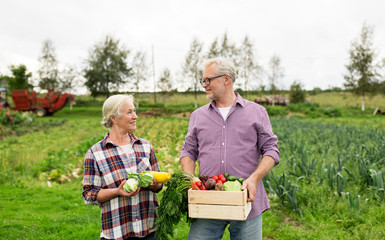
(223,66)
(113,106)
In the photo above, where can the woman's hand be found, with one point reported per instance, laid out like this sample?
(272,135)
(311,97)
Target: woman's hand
(121,192)
(155,186)
(109,193)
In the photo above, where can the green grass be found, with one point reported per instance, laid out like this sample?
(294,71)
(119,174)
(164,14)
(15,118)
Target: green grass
(346,99)
(30,209)
(36,211)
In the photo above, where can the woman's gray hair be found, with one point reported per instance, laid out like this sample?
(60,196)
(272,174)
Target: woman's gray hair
(223,66)
(113,106)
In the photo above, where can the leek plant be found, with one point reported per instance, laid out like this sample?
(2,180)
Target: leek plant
(378,184)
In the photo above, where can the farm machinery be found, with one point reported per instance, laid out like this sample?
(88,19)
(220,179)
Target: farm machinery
(51,103)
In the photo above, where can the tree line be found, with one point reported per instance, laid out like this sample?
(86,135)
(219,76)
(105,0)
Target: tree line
(111,67)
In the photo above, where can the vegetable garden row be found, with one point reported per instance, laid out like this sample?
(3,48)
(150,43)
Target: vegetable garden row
(329,181)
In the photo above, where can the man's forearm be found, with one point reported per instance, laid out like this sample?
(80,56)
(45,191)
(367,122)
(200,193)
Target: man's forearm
(267,163)
(188,165)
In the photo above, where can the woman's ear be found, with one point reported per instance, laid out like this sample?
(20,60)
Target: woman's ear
(112,118)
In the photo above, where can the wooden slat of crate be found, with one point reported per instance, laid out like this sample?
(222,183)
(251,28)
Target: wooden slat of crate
(218,197)
(224,205)
(222,212)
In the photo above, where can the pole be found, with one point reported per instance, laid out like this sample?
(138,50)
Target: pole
(153,73)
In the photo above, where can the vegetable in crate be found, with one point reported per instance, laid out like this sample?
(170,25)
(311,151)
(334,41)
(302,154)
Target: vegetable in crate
(204,179)
(210,184)
(219,187)
(232,186)
(234,178)
(196,184)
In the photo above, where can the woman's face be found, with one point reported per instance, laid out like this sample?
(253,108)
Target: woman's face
(127,119)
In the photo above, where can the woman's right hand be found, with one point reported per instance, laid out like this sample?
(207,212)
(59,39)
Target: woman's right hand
(121,192)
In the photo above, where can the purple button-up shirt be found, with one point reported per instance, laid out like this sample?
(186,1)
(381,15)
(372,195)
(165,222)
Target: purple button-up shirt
(234,146)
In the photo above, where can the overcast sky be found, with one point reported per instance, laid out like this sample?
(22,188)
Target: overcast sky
(312,38)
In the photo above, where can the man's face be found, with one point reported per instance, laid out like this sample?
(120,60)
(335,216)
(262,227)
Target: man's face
(215,89)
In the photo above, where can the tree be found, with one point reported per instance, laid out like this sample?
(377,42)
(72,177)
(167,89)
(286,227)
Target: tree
(223,48)
(69,79)
(248,67)
(165,84)
(140,72)
(296,93)
(190,70)
(214,50)
(48,71)
(276,73)
(20,79)
(228,49)
(362,70)
(106,67)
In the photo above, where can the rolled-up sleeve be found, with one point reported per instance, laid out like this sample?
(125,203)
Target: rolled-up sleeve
(91,181)
(267,141)
(190,145)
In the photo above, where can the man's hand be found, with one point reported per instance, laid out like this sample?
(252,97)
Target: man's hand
(266,164)
(251,186)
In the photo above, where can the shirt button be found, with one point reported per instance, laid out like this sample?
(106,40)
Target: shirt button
(224,126)
(223,144)
(223,161)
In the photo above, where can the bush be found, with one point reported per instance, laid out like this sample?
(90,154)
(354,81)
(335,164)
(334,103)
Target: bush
(297,94)
(20,123)
(12,118)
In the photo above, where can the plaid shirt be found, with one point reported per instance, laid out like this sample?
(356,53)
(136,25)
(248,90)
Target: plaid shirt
(106,166)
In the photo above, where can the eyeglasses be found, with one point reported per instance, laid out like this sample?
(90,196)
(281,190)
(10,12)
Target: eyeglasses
(207,80)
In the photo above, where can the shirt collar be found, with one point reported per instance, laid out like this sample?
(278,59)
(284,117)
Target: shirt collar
(106,140)
(239,101)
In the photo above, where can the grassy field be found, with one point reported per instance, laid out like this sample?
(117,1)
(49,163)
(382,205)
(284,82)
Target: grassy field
(346,99)
(326,163)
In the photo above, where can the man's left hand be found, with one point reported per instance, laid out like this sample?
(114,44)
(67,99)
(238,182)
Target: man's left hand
(251,187)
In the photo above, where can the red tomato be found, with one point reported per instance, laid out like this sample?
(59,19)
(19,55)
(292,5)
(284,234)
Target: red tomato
(219,181)
(204,188)
(222,178)
(215,177)
(199,184)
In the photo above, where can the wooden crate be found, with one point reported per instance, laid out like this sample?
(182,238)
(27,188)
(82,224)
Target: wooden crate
(224,205)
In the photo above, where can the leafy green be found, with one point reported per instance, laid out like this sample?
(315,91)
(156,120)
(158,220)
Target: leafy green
(146,179)
(131,185)
(173,205)
(232,186)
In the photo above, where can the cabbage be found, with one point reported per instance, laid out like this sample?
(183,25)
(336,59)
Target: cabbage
(232,186)
(146,179)
(131,185)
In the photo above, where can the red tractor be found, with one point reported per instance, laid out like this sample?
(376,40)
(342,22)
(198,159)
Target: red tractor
(51,103)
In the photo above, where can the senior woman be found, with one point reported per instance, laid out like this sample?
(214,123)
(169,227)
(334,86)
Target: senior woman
(106,167)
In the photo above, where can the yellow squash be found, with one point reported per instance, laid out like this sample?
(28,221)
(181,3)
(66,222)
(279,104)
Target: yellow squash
(160,177)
